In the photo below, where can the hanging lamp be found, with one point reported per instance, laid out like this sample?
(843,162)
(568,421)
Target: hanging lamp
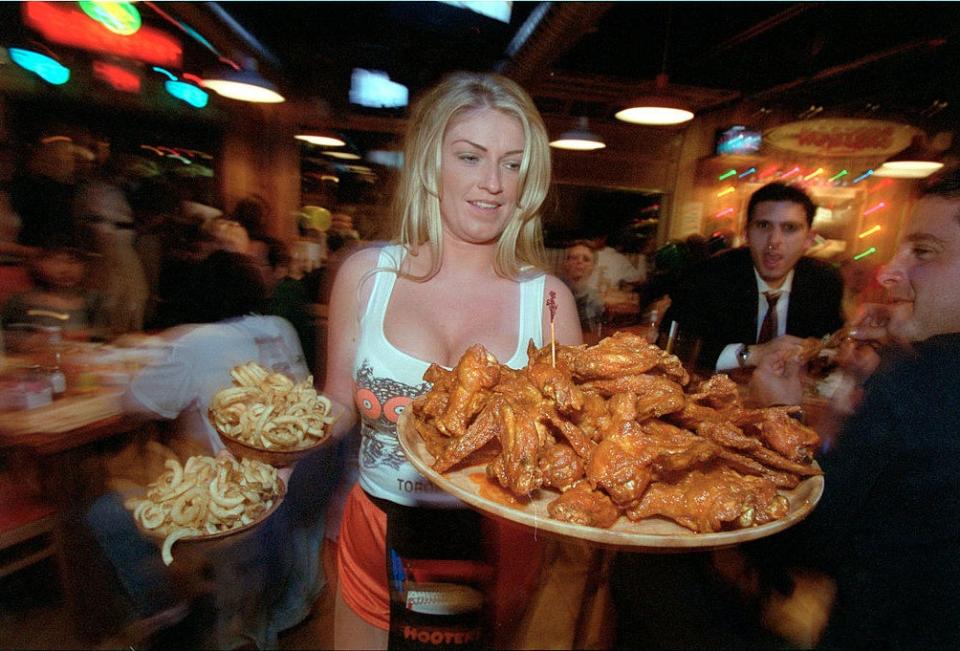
(917,161)
(579,139)
(660,108)
(245,84)
(322,138)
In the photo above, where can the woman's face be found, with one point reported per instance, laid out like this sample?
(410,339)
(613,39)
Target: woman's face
(61,270)
(578,262)
(480,174)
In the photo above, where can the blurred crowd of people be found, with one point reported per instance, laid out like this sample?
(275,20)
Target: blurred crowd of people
(94,248)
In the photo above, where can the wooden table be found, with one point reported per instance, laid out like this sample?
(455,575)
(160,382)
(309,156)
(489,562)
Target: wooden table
(66,438)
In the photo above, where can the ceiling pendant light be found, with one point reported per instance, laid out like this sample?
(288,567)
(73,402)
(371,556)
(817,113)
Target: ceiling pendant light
(321,138)
(245,84)
(343,155)
(659,108)
(579,139)
(917,161)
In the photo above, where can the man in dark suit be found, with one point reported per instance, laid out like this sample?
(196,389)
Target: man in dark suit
(766,297)
(888,525)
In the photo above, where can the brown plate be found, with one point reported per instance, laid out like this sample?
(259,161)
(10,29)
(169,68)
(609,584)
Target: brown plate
(275,458)
(651,534)
(206,537)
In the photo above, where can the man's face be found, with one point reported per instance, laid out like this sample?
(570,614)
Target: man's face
(778,236)
(923,278)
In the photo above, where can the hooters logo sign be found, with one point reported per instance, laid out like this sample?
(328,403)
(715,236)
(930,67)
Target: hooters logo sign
(841,137)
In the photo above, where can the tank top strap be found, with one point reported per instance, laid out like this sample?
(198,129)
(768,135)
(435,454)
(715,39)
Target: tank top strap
(383,281)
(531,311)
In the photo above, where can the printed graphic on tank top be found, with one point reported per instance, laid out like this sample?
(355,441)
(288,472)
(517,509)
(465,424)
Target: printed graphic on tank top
(387,379)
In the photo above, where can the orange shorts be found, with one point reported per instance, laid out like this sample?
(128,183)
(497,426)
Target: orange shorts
(361,559)
(362,566)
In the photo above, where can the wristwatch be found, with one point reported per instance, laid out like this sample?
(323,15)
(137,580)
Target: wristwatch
(743,354)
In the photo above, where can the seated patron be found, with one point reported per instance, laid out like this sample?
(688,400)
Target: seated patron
(763,298)
(58,300)
(578,263)
(888,525)
(613,270)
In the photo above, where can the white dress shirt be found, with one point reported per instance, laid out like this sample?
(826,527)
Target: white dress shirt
(728,357)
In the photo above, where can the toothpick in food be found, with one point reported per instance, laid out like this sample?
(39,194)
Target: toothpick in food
(552,305)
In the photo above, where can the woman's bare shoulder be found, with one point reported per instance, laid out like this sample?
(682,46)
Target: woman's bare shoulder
(554,284)
(361,260)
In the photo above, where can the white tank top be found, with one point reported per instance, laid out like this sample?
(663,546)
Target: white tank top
(387,379)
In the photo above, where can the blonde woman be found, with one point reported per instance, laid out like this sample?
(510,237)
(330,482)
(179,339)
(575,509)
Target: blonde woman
(464,269)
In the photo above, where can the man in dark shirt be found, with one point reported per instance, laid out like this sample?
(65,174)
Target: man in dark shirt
(750,302)
(888,525)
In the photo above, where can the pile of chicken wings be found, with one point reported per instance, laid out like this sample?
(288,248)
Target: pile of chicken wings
(615,430)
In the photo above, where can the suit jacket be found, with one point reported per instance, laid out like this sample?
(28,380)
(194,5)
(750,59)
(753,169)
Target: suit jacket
(888,525)
(717,302)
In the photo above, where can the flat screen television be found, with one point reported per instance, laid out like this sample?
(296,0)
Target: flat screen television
(738,140)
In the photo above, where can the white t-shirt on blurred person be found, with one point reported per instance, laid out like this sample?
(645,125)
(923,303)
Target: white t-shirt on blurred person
(197,364)
(612,268)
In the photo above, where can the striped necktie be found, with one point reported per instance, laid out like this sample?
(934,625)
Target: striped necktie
(768,329)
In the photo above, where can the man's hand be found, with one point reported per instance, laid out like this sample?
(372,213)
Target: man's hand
(774,350)
(778,378)
(875,326)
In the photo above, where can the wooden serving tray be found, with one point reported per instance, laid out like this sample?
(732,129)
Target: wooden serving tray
(656,535)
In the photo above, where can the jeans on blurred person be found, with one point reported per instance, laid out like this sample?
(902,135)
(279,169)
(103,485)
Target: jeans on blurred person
(257,584)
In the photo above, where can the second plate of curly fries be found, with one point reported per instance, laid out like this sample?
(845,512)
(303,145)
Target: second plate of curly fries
(206,498)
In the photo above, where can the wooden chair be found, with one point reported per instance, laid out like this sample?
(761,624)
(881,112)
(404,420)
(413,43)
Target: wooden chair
(26,528)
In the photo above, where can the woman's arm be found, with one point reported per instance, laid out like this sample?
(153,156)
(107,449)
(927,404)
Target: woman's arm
(348,300)
(566,323)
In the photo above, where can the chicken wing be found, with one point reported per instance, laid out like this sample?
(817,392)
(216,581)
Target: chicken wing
(475,373)
(557,386)
(712,500)
(656,395)
(583,505)
(626,354)
(781,432)
(516,468)
(620,465)
(484,428)
(611,428)
(718,391)
(561,466)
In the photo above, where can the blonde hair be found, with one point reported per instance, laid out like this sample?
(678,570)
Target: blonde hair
(417,203)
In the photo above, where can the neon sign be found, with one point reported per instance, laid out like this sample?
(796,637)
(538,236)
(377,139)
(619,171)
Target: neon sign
(61,23)
(187,92)
(47,68)
(118,77)
(119,17)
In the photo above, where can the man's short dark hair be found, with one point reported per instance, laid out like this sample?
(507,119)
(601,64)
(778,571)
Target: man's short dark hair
(230,286)
(782,192)
(945,186)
